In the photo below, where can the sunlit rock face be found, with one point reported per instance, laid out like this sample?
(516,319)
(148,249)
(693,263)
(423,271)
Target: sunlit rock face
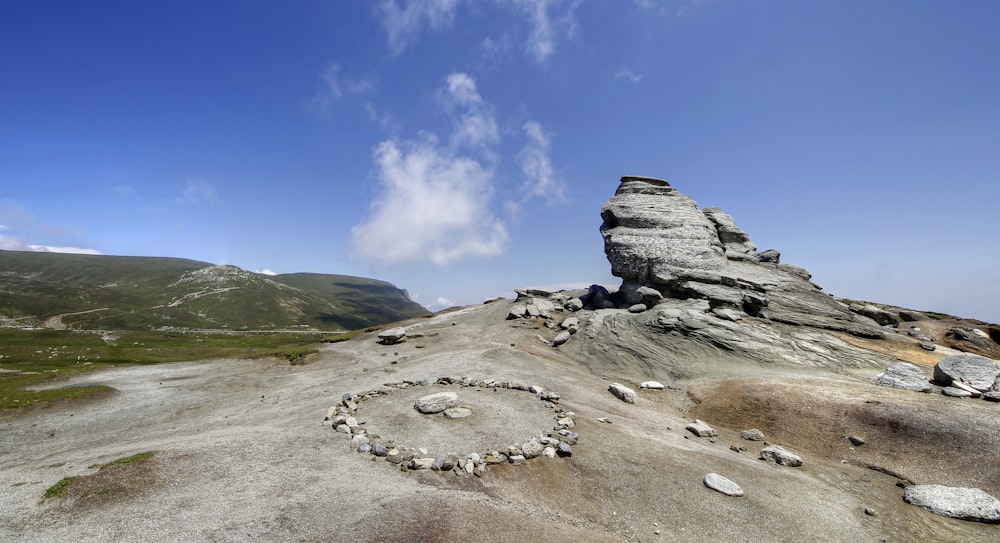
(654,234)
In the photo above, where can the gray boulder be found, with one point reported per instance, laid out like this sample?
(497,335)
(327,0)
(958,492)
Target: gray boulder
(906,376)
(573,304)
(978,372)
(701,429)
(879,315)
(909,315)
(652,385)
(435,403)
(961,503)
(770,255)
(517,311)
(392,336)
(622,392)
(561,337)
(780,455)
(598,297)
(752,435)
(721,484)
(637,308)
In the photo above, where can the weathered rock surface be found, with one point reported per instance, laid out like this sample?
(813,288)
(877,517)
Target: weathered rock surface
(906,376)
(780,455)
(908,315)
(752,435)
(435,403)
(978,372)
(961,503)
(877,314)
(721,484)
(652,385)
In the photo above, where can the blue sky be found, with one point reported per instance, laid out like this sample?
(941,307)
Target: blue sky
(460,149)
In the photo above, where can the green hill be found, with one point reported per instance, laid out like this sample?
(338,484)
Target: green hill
(131,293)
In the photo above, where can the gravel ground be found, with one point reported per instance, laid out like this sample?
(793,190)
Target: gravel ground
(243,456)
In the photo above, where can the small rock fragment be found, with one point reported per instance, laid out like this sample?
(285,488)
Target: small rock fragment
(622,392)
(780,455)
(701,429)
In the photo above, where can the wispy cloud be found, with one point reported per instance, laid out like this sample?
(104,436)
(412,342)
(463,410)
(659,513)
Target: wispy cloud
(433,200)
(123,190)
(196,191)
(336,85)
(629,75)
(540,178)
(405,20)
(16,243)
(550,20)
(474,119)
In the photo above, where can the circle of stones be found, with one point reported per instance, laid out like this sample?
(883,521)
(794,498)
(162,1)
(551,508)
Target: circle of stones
(556,442)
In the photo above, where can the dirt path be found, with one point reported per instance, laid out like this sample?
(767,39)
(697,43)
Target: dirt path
(56,322)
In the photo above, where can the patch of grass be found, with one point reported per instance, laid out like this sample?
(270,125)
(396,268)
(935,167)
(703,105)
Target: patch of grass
(129,459)
(47,356)
(58,490)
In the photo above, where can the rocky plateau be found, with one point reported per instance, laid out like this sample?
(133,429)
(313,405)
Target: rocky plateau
(717,394)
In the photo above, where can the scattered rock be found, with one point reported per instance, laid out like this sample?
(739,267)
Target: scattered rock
(517,311)
(906,376)
(780,455)
(570,324)
(652,385)
(622,392)
(532,449)
(723,485)
(561,337)
(956,392)
(992,396)
(752,435)
(927,346)
(435,403)
(573,304)
(701,429)
(421,463)
(978,372)
(457,412)
(961,503)
(392,336)
(855,440)
(564,449)
(637,308)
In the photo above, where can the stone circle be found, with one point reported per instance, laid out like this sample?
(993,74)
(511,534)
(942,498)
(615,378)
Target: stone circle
(555,441)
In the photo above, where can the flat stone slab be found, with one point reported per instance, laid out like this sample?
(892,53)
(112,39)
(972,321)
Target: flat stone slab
(652,385)
(780,455)
(721,484)
(435,403)
(906,376)
(701,429)
(622,392)
(457,413)
(955,502)
(392,336)
(980,373)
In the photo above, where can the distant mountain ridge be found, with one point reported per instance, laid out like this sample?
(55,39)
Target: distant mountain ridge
(125,292)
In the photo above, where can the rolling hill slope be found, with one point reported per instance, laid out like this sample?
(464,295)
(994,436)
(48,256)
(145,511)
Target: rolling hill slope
(115,292)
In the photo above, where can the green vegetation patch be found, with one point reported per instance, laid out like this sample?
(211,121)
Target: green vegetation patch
(44,358)
(129,459)
(58,490)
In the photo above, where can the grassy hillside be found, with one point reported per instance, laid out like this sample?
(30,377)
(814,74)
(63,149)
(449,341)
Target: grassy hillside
(138,293)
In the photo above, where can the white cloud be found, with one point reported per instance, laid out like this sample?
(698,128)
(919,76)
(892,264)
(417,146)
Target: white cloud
(266,271)
(196,191)
(547,27)
(15,243)
(474,119)
(433,202)
(433,205)
(404,23)
(629,75)
(540,178)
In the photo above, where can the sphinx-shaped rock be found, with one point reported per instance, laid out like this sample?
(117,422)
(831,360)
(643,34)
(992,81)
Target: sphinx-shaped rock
(734,240)
(653,234)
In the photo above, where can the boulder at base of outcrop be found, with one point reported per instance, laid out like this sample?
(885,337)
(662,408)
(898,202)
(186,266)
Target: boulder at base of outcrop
(978,372)
(961,503)
(392,336)
(876,314)
(435,403)
(652,385)
(721,484)
(906,376)
(908,315)
(780,455)
(701,429)
(622,392)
